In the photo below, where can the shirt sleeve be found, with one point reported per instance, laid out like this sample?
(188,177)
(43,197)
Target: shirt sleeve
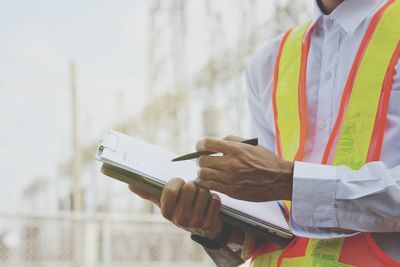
(258,127)
(329,201)
(259,80)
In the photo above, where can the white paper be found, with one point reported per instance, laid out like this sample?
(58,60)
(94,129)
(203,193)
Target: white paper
(154,162)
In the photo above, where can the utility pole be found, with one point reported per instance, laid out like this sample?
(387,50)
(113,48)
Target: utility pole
(76,155)
(77,206)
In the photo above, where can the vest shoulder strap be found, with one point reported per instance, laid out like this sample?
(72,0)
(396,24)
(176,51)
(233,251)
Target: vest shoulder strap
(365,84)
(285,91)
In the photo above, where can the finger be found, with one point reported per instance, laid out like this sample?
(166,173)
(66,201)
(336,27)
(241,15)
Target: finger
(213,211)
(212,162)
(145,195)
(213,185)
(213,174)
(233,138)
(200,207)
(184,205)
(214,145)
(169,196)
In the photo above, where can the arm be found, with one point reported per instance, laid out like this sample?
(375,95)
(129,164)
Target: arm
(366,200)
(326,199)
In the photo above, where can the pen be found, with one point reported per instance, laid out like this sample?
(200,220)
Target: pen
(197,154)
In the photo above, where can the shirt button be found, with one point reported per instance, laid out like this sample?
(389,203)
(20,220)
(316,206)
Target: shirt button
(328,75)
(323,125)
(329,22)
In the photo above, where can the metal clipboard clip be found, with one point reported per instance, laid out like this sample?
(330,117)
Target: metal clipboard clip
(110,141)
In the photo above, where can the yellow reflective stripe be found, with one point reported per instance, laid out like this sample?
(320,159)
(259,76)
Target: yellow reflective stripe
(324,252)
(320,253)
(326,249)
(287,92)
(353,144)
(311,262)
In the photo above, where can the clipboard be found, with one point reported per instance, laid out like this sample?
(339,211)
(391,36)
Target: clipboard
(130,160)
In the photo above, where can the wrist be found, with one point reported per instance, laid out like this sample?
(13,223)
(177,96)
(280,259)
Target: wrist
(286,177)
(217,241)
(215,234)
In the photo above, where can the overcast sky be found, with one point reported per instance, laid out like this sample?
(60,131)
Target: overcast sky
(107,39)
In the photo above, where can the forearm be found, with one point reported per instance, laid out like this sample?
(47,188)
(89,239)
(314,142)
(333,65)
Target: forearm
(328,197)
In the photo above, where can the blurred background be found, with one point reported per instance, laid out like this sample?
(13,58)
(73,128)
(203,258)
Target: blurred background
(169,72)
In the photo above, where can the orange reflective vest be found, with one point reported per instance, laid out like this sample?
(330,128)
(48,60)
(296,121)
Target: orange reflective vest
(356,137)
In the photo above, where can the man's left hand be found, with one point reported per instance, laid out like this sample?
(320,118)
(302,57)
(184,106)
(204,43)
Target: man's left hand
(244,172)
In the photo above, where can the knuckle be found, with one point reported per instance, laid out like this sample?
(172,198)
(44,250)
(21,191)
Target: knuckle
(190,186)
(200,144)
(213,185)
(203,192)
(207,140)
(201,161)
(174,181)
(169,193)
(201,173)
(202,183)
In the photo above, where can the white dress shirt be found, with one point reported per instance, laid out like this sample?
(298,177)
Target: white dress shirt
(327,199)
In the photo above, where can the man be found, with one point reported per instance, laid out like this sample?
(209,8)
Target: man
(326,93)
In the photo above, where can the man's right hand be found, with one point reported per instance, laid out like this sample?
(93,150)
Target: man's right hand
(189,207)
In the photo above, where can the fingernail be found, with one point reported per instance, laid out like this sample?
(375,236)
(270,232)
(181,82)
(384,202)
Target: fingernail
(132,188)
(215,197)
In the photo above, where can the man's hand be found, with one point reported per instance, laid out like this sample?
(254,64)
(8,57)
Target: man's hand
(245,172)
(188,206)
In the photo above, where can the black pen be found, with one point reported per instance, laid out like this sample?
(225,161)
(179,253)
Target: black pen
(197,154)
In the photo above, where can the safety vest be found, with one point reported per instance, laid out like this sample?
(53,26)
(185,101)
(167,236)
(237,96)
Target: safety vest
(356,137)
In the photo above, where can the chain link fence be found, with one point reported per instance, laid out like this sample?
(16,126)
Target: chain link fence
(103,240)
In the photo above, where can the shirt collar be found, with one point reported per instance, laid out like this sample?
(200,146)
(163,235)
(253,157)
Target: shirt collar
(349,14)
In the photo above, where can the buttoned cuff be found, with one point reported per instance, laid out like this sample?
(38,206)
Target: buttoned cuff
(314,191)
